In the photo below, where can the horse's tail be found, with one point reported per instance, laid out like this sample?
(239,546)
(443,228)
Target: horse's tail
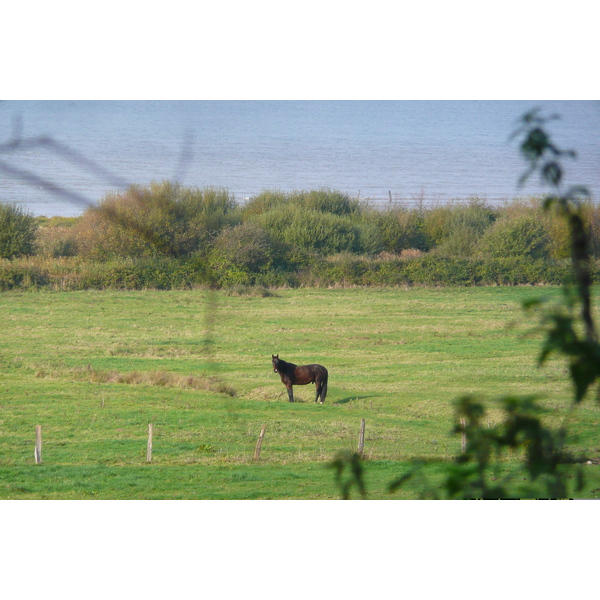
(324,387)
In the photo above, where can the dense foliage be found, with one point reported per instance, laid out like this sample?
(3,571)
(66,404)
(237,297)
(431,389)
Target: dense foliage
(166,235)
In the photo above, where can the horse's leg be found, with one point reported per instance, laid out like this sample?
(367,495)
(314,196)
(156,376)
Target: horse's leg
(290,391)
(318,385)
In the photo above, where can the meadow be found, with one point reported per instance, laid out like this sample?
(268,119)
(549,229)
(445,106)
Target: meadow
(94,368)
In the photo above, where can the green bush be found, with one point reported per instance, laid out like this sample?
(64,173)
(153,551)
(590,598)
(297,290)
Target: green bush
(455,229)
(311,230)
(248,254)
(17,231)
(523,236)
(369,237)
(396,228)
(248,246)
(460,244)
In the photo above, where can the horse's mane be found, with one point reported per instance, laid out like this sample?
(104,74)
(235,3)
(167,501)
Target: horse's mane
(283,364)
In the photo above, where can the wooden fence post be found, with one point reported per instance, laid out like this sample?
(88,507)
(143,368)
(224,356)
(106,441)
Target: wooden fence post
(463,440)
(38,444)
(361,438)
(259,442)
(149,449)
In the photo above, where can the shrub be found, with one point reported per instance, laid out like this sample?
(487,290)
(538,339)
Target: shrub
(312,230)
(435,228)
(459,244)
(17,231)
(523,236)
(248,253)
(160,219)
(455,229)
(369,238)
(398,228)
(248,246)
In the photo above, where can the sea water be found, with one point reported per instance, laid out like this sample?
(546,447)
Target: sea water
(58,157)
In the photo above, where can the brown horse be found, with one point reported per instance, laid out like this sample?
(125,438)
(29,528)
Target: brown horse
(292,374)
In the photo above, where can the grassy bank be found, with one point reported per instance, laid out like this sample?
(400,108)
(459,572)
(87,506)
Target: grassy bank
(94,368)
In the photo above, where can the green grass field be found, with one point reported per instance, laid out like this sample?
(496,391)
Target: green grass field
(95,368)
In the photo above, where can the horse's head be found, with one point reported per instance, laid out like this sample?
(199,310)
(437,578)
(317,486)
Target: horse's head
(275,361)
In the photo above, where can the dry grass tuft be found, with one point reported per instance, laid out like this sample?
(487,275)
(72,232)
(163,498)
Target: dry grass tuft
(157,378)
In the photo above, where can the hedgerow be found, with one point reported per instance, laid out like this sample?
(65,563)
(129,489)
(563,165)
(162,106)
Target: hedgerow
(167,236)
(339,270)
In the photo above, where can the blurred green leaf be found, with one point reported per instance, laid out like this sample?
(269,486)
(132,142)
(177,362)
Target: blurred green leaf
(552,173)
(353,463)
(535,144)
